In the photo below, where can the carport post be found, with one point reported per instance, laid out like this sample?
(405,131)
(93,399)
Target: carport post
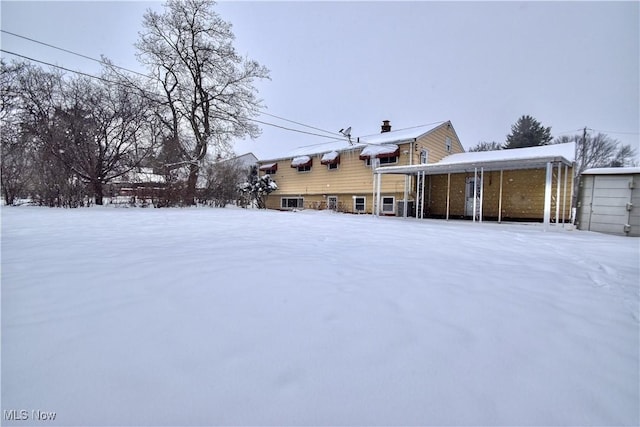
(500,199)
(406,196)
(547,196)
(481,191)
(417,202)
(424,177)
(558,192)
(475,192)
(564,196)
(378,193)
(448,193)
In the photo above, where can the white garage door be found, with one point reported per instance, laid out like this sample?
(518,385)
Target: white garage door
(606,204)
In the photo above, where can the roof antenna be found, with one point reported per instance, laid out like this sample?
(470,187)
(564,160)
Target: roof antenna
(347,133)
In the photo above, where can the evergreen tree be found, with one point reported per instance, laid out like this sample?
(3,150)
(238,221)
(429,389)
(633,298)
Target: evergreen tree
(528,132)
(257,187)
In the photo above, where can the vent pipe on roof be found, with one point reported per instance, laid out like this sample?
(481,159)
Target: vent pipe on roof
(386,127)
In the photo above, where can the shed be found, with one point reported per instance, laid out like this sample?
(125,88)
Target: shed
(609,201)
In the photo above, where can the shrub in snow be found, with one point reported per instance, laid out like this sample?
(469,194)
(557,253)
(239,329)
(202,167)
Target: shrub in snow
(256,188)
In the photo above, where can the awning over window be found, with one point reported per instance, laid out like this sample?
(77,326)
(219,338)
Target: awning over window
(379,151)
(330,158)
(301,161)
(269,166)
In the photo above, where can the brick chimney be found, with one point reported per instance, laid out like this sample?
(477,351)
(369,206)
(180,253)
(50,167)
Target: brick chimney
(386,127)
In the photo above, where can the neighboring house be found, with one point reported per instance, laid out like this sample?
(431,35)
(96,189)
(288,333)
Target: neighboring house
(522,184)
(609,201)
(243,163)
(140,183)
(340,175)
(218,182)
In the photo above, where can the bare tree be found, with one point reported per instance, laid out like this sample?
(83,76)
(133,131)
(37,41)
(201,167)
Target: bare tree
(28,105)
(486,146)
(221,181)
(14,163)
(206,89)
(99,132)
(598,151)
(13,159)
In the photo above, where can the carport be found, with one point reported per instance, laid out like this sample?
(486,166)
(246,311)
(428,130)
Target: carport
(549,158)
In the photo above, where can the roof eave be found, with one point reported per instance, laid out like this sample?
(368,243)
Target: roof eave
(487,166)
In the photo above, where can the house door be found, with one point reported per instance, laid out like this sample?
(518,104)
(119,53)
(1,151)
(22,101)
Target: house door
(468,206)
(332,203)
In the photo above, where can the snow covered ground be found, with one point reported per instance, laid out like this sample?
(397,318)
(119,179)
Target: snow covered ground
(242,317)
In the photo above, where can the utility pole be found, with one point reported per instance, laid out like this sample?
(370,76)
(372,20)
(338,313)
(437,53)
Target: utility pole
(584,149)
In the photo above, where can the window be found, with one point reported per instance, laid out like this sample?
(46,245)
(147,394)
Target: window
(302,163)
(292,202)
(424,156)
(331,159)
(388,204)
(447,144)
(359,203)
(388,160)
(269,169)
(384,160)
(385,153)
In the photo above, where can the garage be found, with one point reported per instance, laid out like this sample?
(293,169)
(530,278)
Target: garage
(609,201)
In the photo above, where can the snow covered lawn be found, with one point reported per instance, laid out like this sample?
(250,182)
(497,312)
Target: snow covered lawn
(243,317)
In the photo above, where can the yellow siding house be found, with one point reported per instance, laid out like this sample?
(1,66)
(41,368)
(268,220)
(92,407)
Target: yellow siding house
(427,167)
(340,175)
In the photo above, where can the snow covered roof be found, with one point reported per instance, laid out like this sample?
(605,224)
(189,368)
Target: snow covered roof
(341,145)
(144,176)
(516,158)
(244,160)
(317,149)
(564,150)
(399,136)
(611,171)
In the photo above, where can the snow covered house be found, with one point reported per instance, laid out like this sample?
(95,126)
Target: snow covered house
(141,182)
(341,175)
(609,201)
(426,166)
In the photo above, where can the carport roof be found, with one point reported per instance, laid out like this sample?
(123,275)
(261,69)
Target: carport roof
(612,171)
(513,159)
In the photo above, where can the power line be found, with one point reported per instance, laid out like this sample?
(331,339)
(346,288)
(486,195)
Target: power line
(75,53)
(296,130)
(143,91)
(612,131)
(568,131)
(335,134)
(58,66)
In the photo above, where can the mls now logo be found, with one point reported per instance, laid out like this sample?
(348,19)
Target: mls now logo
(15,415)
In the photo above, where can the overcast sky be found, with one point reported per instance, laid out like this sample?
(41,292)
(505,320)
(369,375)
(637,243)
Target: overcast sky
(336,64)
